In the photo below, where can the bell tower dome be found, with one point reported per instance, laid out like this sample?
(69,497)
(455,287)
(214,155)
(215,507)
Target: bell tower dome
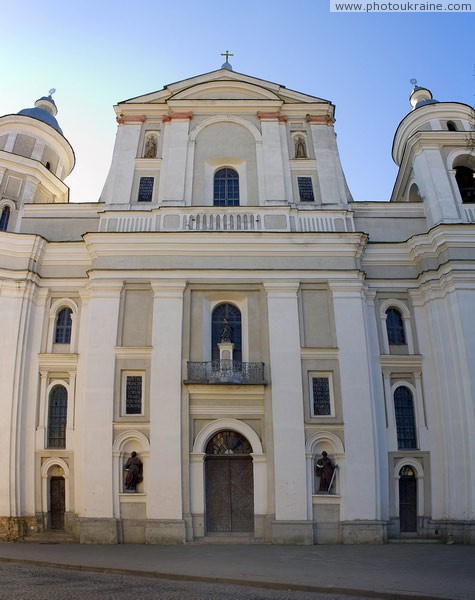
(35,158)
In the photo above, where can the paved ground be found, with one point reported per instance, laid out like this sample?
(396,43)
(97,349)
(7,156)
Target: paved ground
(25,582)
(393,571)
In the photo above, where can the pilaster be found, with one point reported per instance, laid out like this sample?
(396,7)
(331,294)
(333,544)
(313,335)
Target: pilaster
(362,476)
(287,402)
(175,149)
(165,503)
(274,178)
(96,403)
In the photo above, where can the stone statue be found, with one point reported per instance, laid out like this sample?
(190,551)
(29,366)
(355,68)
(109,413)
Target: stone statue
(133,472)
(226,332)
(150,147)
(324,469)
(300,151)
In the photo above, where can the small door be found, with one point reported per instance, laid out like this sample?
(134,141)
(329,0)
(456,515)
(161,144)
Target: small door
(407,501)
(229,494)
(57,502)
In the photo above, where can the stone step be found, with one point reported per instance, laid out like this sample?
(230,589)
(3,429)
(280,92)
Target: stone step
(228,538)
(414,541)
(50,537)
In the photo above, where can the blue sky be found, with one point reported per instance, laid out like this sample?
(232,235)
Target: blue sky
(96,53)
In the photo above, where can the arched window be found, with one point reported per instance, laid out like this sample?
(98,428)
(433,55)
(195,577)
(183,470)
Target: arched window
(395,327)
(4,218)
(226,317)
(405,420)
(451,126)
(226,188)
(62,330)
(465,178)
(57,417)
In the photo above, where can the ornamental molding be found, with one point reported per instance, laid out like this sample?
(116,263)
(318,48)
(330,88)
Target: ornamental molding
(320,119)
(130,119)
(269,116)
(177,116)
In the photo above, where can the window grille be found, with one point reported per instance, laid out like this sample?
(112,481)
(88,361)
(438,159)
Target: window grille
(62,332)
(57,416)
(226,188)
(405,420)
(395,327)
(230,314)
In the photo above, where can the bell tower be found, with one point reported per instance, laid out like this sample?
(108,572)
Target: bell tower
(35,158)
(433,151)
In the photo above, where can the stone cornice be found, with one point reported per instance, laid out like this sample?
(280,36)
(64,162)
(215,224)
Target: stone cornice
(320,119)
(130,119)
(178,116)
(270,116)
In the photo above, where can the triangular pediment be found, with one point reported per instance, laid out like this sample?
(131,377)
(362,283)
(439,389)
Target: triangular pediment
(224,84)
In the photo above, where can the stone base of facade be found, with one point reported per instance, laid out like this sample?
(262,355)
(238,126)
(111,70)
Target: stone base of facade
(165,532)
(363,532)
(98,531)
(15,528)
(459,532)
(292,532)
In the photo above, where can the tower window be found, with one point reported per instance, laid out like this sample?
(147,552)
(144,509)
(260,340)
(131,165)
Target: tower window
(465,178)
(145,189)
(4,218)
(305,189)
(226,188)
(451,126)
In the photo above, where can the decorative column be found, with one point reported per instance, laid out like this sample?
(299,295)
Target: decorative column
(291,525)
(165,522)
(359,507)
(175,148)
(95,414)
(272,157)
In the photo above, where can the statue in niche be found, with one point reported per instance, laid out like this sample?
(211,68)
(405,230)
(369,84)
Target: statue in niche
(151,145)
(300,149)
(133,472)
(226,332)
(325,469)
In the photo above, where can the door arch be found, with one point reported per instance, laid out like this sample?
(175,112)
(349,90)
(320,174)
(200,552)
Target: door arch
(229,484)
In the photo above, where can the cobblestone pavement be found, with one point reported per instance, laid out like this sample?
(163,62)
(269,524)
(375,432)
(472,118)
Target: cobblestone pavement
(25,582)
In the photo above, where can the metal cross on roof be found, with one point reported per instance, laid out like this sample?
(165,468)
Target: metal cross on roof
(227,54)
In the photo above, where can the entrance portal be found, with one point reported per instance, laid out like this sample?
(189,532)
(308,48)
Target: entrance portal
(229,484)
(407,500)
(57,502)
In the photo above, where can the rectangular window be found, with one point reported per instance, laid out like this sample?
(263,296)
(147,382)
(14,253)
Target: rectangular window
(305,189)
(321,394)
(132,393)
(145,189)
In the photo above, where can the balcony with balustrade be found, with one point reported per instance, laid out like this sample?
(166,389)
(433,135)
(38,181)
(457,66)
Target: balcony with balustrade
(236,218)
(225,372)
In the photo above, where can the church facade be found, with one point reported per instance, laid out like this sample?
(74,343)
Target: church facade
(288,365)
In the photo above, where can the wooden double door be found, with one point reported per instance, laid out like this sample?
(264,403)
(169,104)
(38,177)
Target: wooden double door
(229,494)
